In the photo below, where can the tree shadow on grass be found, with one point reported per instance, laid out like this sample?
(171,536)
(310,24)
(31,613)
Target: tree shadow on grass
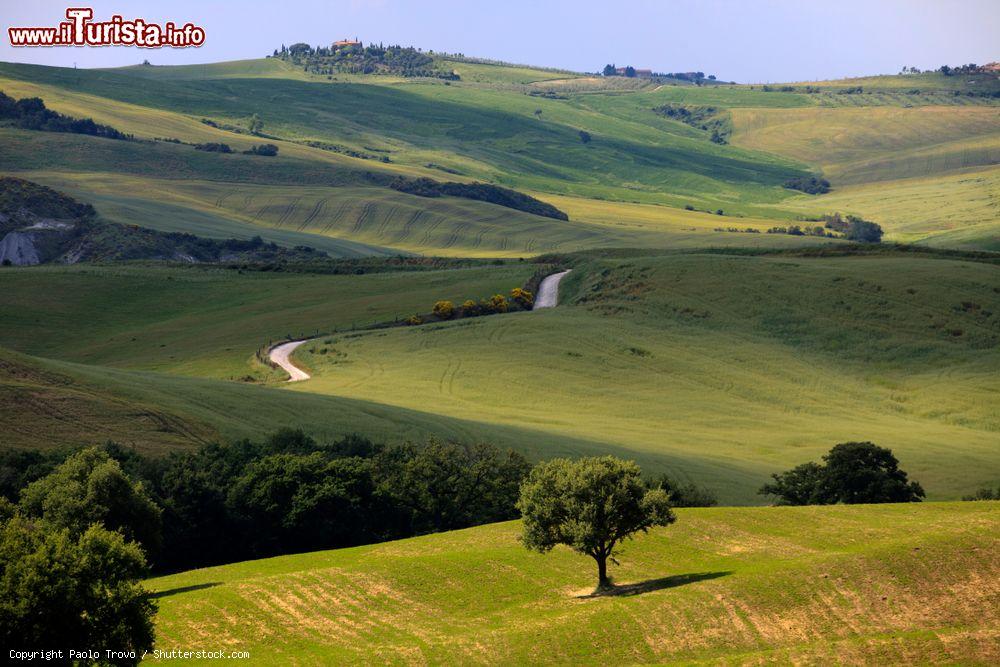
(651,585)
(183,589)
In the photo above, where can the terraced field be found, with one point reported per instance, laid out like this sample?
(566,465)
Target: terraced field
(862,584)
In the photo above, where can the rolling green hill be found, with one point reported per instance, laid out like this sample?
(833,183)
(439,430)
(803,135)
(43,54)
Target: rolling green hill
(517,127)
(208,322)
(861,585)
(742,366)
(708,363)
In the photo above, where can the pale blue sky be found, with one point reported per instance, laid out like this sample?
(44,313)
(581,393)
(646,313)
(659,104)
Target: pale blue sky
(752,41)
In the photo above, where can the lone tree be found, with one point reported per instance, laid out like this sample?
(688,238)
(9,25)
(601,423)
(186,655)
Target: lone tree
(852,473)
(591,506)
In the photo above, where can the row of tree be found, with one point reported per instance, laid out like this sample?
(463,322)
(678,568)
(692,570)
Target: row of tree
(493,194)
(30,113)
(356,58)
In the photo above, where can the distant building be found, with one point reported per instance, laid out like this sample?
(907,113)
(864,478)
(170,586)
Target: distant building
(346,42)
(991,67)
(642,73)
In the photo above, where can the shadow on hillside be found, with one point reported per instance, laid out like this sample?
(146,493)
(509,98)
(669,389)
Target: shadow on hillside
(183,589)
(651,585)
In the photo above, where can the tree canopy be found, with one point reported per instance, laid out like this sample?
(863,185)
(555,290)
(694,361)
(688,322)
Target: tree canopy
(91,488)
(590,505)
(81,591)
(851,473)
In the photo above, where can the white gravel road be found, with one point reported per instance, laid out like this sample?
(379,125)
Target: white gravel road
(548,291)
(280,354)
(548,296)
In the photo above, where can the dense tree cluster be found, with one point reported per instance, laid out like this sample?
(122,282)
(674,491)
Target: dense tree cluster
(494,194)
(287,494)
(959,70)
(17,195)
(811,185)
(360,59)
(985,493)
(853,472)
(708,118)
(683,494)
(269,150)
(697,78)
(30,113)
(213,147)
(854,228)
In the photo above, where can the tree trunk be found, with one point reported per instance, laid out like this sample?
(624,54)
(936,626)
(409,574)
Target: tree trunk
(602,572)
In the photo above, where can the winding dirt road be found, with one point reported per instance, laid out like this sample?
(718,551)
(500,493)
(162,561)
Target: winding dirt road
(548,290)
(548,296)
(281,355)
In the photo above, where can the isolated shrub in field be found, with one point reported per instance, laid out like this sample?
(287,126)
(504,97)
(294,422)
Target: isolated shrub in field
(522,297)
(585,136)
(851,473)
(82,591)
(444,309)
(414,320)
(591,505)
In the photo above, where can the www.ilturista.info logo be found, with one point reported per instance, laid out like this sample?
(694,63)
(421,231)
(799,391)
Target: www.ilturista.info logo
(79,30)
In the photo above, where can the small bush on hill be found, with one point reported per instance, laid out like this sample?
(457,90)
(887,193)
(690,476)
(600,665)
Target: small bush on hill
(522,297)
(495,304)
(444,310)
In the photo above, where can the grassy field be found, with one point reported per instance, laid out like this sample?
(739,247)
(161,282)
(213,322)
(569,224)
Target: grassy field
(859,145)
(487,127)
(744,366)
(724,369)
(208,322)
(955,210)
(853,585)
